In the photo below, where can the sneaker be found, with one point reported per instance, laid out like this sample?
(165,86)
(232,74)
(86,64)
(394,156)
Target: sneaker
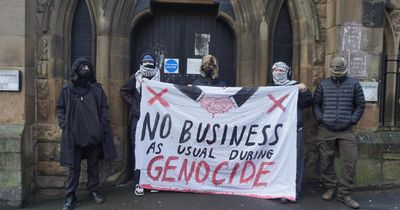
(328,195)
(97,197)
(70,202)
(139,191)
(350,202)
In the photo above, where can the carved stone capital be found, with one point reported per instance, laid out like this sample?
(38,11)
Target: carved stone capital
(42,88)
(395,17)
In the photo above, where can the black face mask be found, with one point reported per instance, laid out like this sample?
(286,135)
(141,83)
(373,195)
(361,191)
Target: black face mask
(84,73)
(208,71)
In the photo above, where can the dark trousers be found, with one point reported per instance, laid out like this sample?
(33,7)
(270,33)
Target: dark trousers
(346,144)
(91,153)
(300,160)
(135,173)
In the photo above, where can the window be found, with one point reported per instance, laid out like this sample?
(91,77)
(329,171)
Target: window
(81,35)
(282,44)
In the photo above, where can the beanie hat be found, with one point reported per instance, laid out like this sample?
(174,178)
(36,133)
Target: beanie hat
(147,58)
(338,67)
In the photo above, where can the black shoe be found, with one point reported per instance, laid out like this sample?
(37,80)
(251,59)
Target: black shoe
(97,197)
(70,202)
(285,201)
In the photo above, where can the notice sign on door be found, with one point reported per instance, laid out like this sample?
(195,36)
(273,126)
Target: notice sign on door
(171,65)
(9,80)
(193,65)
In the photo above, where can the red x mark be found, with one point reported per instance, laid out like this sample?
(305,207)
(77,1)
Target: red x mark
(157,96)
(277,103)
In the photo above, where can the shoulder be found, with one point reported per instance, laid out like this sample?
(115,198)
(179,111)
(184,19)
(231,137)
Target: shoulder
(325,82)
(67,86)
(198,81)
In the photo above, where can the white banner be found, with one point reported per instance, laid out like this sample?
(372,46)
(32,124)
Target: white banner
(239,141)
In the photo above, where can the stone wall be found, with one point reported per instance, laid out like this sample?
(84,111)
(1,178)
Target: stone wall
(10,164)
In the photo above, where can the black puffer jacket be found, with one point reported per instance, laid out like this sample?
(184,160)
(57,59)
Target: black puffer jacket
(338,103)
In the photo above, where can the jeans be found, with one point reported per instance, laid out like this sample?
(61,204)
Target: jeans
(136,173)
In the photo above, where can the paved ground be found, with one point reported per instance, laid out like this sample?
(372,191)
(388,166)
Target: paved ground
(122,197)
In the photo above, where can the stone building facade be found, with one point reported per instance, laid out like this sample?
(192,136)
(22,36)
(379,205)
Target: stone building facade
(37,38)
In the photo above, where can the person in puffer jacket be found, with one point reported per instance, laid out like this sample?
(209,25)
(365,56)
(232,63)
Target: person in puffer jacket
(338,104)
(281,74)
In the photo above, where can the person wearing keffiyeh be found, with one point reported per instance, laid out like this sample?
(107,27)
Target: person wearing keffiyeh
(131,92)
(281,74)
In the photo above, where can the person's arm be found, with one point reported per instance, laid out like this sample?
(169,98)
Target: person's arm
(104,114)
(305,99)
(317,103)
(61,109)
(359,103)
(128,91)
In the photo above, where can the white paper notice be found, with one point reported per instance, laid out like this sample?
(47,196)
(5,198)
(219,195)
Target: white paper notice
(193,66)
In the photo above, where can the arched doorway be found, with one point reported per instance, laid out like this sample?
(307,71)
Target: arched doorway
(173,29)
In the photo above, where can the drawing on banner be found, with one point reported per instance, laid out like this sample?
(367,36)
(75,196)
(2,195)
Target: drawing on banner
(352,35)
(218,105)
(201,44)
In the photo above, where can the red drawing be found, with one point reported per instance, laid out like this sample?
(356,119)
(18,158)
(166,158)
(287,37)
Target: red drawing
(216,105)
(157,97)
(277,103)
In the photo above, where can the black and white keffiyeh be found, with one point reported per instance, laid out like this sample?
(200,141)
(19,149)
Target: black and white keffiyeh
(281,77)
(149,73)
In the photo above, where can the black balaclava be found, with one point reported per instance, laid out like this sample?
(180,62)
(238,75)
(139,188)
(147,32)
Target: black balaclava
(82,73)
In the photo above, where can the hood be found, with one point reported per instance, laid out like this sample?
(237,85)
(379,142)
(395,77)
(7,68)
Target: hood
(78,64)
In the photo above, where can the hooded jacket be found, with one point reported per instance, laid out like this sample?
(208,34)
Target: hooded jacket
(67,119)
(338,103)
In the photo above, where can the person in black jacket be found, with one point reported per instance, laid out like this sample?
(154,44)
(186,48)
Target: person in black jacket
(209,73)
(82,111)
(338,104)
(131,92)
(281,74)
